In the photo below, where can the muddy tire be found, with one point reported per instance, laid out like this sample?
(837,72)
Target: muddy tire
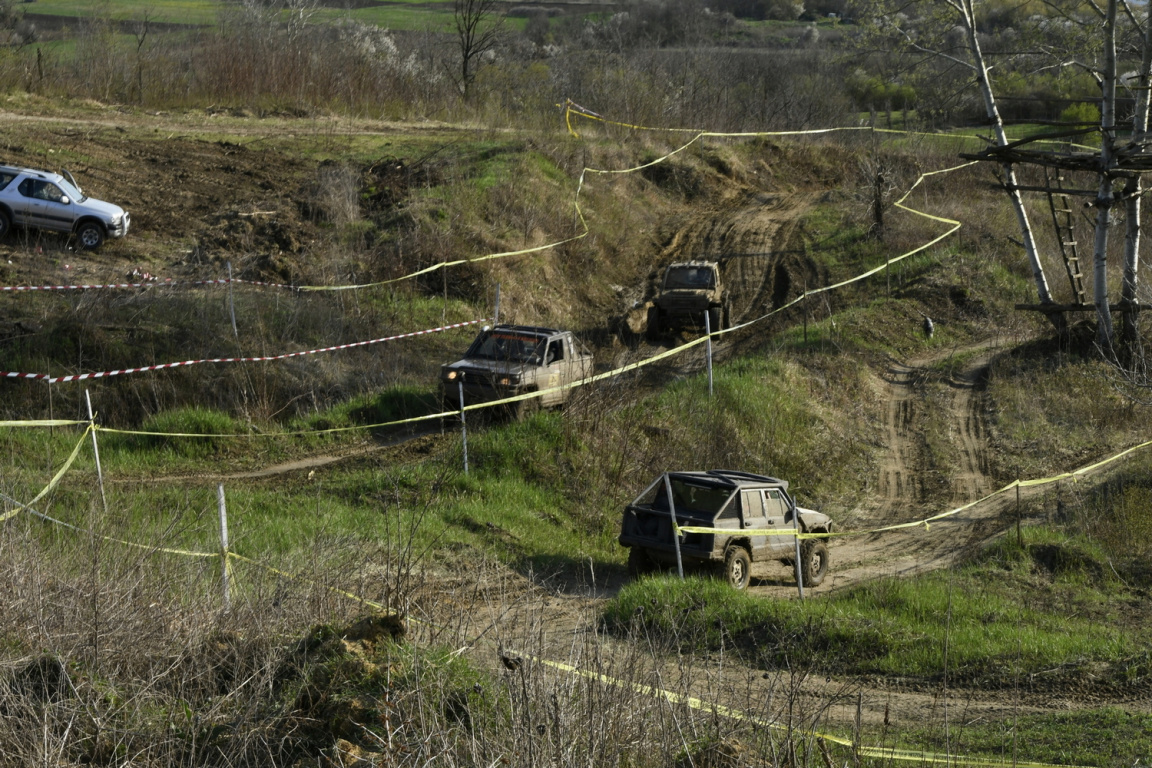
(639,563)
(5,225)
(726,314)
(653,327)
(813,562)
(90,235)
(737,567)
(522,410)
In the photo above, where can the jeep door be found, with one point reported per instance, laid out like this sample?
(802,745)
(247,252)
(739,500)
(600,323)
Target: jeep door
(49,207)
(23,203)
(777,506)
(752,516)
(555,371)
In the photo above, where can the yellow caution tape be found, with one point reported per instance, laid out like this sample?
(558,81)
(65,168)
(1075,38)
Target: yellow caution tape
(42,423)
(337,590)
(735,714)
(53,482)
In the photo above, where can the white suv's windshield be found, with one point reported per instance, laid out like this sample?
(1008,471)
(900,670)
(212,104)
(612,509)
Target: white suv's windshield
(508,345)
(690,277)
(76,195)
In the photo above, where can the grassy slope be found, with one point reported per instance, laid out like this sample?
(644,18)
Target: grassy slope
(547,493)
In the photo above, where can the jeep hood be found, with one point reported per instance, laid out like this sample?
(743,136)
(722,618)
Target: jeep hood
(814,521)
(99,208)
(491,366)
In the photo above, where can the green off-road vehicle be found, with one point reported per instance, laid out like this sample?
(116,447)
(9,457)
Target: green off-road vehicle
(734,502)
(689,291)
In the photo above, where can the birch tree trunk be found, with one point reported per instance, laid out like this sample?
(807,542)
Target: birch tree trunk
(969,19)
(1104,196)
(1132,192)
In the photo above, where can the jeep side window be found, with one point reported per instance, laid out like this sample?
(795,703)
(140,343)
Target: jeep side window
(40,190)
(6,179)
(776,504)
(555,351)
(48,191)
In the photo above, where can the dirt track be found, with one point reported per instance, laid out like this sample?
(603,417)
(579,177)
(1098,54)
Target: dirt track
(560,619)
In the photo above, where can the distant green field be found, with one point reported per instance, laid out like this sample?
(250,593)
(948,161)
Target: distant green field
(393,16)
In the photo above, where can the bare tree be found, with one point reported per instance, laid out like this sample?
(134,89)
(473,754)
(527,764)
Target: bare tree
(478,31)
(971,56)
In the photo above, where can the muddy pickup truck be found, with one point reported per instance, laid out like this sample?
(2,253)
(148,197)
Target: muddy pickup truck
(732,501)
(509,360)
(689,291)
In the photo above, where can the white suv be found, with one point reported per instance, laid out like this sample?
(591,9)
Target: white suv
(45,200)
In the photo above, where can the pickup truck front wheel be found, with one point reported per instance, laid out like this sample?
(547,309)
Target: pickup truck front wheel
(653,329)
(813,562)
(737,567)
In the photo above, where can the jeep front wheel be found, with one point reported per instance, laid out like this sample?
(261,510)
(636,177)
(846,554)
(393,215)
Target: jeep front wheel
(90,234)
(737,567)
(813,562)
(653,329)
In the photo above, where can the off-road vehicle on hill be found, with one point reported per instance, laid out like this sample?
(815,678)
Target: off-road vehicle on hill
(732,501)
(45,200)
(509,360)
(688,291)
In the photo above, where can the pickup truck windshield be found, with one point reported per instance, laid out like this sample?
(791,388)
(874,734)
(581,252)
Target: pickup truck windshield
(513,347)
(690,277)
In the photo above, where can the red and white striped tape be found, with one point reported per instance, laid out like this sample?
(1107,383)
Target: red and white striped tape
(148,284)
(107,374)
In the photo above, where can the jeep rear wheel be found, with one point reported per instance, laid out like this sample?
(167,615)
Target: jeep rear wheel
(5,224)
(737,567)
(813,562)
(90,234)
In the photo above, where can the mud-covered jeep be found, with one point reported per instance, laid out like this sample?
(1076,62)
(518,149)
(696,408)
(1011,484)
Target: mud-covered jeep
(728,500)
(509,360)
(688,291)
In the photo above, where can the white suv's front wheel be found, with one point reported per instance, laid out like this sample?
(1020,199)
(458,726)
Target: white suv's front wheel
(91,235)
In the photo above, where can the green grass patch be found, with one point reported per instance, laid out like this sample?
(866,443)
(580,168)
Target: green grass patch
(1104,737)
(1014,612)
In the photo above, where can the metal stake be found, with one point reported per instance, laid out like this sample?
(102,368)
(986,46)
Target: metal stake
(96,453)
(796,539)
(463,421)
(496,309)
(223,545)
(675,533)
(708,330)
(231,304)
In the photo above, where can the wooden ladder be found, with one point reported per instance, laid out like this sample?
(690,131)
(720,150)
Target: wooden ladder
(1062,219)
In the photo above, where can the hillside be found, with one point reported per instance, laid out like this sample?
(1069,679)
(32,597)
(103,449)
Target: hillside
(505,571)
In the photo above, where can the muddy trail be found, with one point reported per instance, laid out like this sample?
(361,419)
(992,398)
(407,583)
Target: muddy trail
(752,240)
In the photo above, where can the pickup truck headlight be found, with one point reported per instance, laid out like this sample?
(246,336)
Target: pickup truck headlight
(451,375)
(508,381)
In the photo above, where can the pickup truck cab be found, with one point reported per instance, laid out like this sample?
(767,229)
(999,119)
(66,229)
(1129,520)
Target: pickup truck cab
(509,360)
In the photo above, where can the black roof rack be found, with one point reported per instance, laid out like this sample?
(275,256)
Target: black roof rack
(525,328)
